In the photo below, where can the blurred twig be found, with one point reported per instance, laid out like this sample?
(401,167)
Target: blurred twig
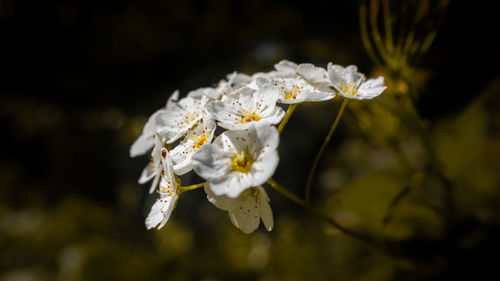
(415,32)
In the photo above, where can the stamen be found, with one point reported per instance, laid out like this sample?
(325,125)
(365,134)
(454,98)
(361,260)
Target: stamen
(349,88)
(200,142)
(291,95)
(242,162)
(250,117)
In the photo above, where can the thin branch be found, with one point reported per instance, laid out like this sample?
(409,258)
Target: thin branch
(288,114)
(322,149)
(191,187)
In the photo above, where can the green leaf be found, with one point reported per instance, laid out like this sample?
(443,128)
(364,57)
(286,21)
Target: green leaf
(368,198)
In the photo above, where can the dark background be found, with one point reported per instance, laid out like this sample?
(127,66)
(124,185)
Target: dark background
(80,78)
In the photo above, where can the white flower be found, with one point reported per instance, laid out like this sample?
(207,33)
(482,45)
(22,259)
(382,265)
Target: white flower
(297,90)
(176,121)
(251,104)
(154,168)
(201,134)
(145,141)
(246,210)
(351,84)
(238,160)
(163,207)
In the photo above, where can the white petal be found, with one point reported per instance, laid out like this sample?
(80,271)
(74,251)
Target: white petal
(160,212)
(272,117)
(181,156)
(168,211)
(155,215)
(246,217)
(227,115)
(184,167)
(286,68)
(238,80)
(198,93)
(340,75)
(145,141)
(265,211)
(264,168)
(173,99)
(210,162)
(352,74)
(266,97)
(317,96)
(141,145)
(154,183)
(371,88)
(232,185)
(220,201)
(313,74)
(336,73)
(147,174)
(168,168)
(266,138)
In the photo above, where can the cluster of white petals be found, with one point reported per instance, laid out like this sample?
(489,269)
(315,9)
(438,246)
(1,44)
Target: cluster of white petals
(163,207)
(226,134)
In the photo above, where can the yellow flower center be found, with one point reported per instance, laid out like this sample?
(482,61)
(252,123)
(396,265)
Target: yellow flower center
(242,162)
(291,95)
(250,117)
(349,88)
(200,142)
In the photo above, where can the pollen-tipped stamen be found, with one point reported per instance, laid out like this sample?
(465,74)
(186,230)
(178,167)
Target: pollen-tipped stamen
(250,117)
(242,162)
(291,95)
(200,142)
(349,88)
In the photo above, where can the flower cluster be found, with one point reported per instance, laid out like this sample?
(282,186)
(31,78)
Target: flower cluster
(243,156)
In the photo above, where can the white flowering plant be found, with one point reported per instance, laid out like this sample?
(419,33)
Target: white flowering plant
(229,136)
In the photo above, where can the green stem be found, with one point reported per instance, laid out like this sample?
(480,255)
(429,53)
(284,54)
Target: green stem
(322,149)
(296,199)
(191,187)
(288,114)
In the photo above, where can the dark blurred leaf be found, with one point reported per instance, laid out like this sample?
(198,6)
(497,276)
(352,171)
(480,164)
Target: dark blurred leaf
(458,140)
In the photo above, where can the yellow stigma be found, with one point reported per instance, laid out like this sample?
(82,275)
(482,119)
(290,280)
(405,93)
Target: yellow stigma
(291,95)
(242,162)
(349,88)
(200,142)
(250,117)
